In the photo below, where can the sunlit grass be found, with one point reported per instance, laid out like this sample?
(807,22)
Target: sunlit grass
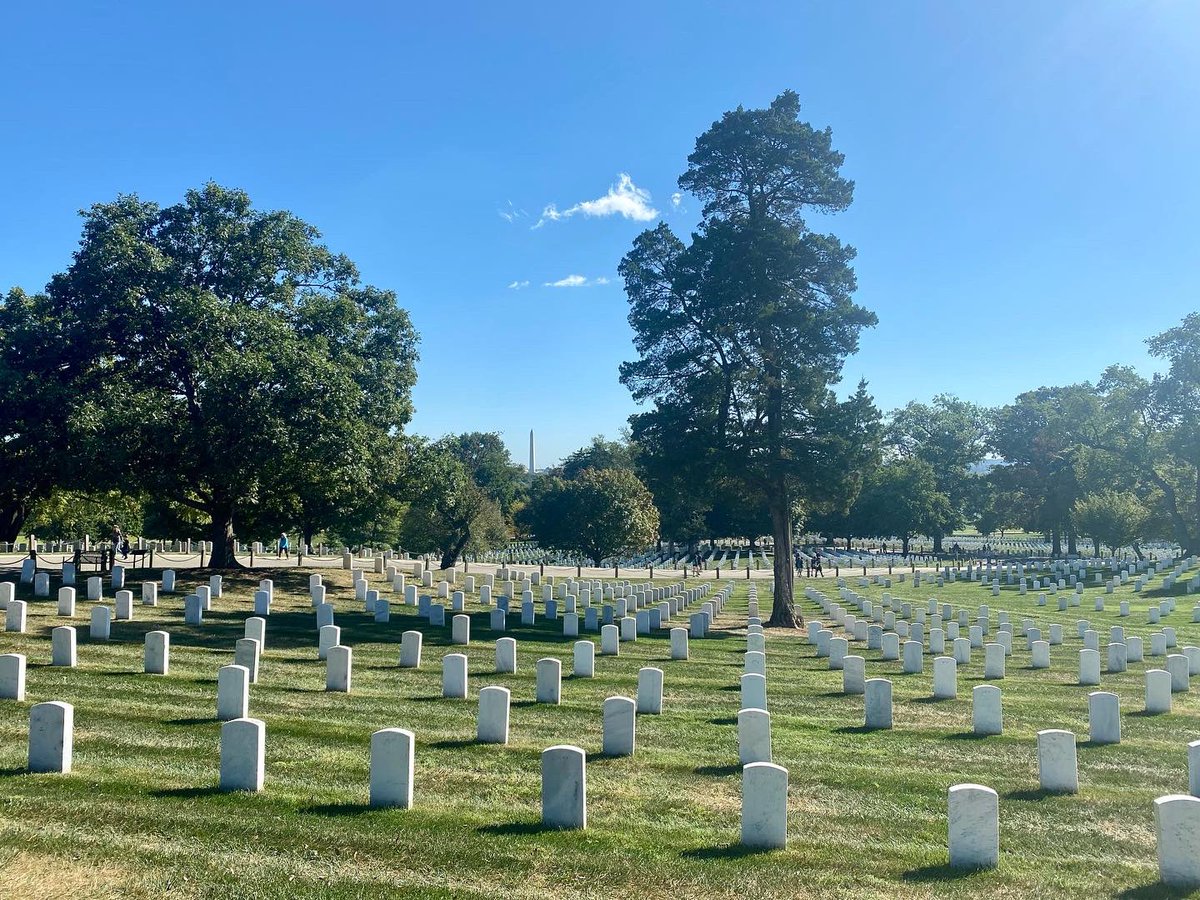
(140,815)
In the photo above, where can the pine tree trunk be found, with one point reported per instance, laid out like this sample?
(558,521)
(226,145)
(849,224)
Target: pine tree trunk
(783,611)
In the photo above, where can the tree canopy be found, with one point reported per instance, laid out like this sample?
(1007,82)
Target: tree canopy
(598,514)
(741,332)
(235,359)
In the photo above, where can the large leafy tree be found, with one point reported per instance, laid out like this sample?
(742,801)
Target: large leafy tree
(1036,436)
(902,499)
(239,358)
(39,385)
(1114,519)
(491,467)
(741,333)
(449,513)
(601,453)
(599,514)
(1175,417)
(950,435)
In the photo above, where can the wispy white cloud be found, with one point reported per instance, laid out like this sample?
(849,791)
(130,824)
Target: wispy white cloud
(676,199)
(511,213)
(574,281)
(623,199)
(518,285)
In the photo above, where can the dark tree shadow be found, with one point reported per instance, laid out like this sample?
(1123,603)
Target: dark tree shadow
(203,720)
(510,828)
(727,851)
(340,809)
(1153,891)
(967,736)
(1034,795)
(942,872)
(858,729)
(14,770)
(717,770)
(184,793)
(455,743)
(727,720)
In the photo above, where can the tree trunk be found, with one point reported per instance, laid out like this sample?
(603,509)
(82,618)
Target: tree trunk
(1055,543)
(12,517)
(904,546)
(783,612)
(1183,534)
(220,532)
(307,537)
(1096,545)
(937,543)
(1072,547)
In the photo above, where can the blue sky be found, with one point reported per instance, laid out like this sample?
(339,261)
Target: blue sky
(1027,177)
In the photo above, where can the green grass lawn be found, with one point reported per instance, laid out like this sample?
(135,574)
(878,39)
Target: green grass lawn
(140,817)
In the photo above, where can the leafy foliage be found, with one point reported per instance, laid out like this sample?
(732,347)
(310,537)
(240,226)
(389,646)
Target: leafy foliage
(1113,519)
(243,367)
(39,380)
(601,513)
(741,332)
(450,514)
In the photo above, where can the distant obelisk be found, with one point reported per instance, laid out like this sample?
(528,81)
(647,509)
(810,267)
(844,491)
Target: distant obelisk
(532,457)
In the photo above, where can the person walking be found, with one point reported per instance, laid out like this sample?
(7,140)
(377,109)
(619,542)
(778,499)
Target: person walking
(283,546)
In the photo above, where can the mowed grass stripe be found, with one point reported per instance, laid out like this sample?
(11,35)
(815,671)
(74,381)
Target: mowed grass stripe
(866,810)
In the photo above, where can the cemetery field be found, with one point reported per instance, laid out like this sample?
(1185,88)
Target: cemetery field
(140,815)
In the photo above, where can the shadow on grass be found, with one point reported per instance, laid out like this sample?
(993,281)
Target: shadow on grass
(726,851)
(942,872)
(515,828)
(966,736)
(14,770)
(333,810)
(857,729)
(203,720)
(185,793)
(1145,714)
(727,720)
(929,700)
(717,770)
(454,743)
(1148,892)
(1034,795)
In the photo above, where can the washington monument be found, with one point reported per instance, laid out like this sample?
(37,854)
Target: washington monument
(532,456)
